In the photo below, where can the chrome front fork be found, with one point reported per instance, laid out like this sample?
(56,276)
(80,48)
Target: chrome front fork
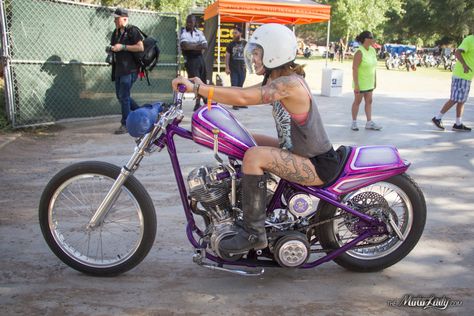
(115,190)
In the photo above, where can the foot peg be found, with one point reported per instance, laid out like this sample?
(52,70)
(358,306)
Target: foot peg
(199,256)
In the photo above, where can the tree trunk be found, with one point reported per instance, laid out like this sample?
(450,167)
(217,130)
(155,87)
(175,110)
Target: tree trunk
(347,41)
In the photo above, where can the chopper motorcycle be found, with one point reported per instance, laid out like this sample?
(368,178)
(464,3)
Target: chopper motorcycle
(99,219)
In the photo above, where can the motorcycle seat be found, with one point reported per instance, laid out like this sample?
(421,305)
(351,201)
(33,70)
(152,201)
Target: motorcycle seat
(343,152)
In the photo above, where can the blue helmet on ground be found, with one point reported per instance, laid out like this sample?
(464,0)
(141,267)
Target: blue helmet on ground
(142,120)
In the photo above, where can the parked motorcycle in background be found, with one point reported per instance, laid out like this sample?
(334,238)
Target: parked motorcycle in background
(431,61)
(410,62)
(449,62)
(392,62)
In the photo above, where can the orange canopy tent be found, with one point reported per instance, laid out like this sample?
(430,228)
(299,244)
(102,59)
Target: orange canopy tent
(267,11)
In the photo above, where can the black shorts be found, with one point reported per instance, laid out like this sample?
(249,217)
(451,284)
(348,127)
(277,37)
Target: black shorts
(326,165)
(365,91)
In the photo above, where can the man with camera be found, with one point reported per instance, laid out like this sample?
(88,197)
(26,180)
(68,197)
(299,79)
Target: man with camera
(126,40)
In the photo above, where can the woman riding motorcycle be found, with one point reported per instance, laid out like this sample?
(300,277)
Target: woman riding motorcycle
(302,153)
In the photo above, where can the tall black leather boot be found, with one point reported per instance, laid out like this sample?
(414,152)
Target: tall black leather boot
(252,235)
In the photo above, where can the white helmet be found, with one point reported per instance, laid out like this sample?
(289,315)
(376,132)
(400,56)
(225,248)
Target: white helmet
(278,43)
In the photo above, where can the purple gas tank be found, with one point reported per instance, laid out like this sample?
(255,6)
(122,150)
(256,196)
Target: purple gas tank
(234,139)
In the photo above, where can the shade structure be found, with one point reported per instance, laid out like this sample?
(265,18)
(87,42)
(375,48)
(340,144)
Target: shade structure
(269,11)
(258,12)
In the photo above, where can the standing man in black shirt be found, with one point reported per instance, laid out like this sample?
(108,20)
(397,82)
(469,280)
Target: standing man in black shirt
(126,40)
(193,43)
(235,62)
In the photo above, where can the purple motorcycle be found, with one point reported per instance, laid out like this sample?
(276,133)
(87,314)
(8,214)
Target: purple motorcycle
(99,219)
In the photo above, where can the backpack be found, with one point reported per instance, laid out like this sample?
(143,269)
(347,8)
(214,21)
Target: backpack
(147,59)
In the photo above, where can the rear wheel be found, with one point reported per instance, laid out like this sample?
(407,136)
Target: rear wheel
(115,246)
(398,197)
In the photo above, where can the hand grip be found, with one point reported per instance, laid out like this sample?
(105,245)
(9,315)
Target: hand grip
(182,88)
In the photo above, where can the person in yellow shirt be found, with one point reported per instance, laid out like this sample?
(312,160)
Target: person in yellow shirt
(364,79)
(460,85)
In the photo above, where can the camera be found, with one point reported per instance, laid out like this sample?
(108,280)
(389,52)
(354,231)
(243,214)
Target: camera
(110,55)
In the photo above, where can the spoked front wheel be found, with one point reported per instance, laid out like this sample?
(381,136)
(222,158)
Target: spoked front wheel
(119,242)
(398,198)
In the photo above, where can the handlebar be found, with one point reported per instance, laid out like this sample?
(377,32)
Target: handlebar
(178,96)
(182,88)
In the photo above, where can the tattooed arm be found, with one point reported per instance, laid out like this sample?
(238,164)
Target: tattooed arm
(278,89)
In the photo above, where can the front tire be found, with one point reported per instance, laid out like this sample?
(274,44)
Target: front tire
(119,243)
(405,202)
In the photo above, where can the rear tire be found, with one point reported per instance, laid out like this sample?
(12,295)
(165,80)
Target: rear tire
(69,201)
(360,262)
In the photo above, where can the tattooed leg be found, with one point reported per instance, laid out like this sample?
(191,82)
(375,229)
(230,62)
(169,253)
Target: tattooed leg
(264,140)
(281,162)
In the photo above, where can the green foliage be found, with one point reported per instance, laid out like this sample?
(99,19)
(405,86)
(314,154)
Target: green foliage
(350,17)
(130,4)
(180,6)
(166,6)
(432,22)
(420,22)
(312,33)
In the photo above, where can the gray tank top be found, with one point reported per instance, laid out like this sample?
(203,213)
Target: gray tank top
(307,140)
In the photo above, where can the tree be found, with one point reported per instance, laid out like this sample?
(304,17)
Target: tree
(350,17)
(432,22)
(179,6)
(174,6)
(130,4)
(312,33)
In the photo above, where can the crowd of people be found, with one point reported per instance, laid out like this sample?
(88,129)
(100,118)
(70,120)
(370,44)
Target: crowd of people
(126,39)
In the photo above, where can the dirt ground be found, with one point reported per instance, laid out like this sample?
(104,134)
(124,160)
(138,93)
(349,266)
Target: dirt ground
(34,282)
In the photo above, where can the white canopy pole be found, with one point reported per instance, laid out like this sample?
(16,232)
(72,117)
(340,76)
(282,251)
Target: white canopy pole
(247,31)
(327,42)
(218,43)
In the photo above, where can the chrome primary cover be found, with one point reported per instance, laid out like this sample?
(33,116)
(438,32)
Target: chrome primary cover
(292,250)
(293,253)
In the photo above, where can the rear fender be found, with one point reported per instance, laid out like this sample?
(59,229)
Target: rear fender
(367,165)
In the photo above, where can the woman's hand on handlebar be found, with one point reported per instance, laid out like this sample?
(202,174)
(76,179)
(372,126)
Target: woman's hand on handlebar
(189,83)
(180,80)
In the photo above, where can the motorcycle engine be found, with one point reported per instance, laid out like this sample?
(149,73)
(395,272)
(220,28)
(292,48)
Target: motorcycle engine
(209,186)
(206,188)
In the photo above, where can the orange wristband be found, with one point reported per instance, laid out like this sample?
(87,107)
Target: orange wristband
(210,94)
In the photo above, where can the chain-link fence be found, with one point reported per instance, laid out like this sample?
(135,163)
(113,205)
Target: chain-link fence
(56,59)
